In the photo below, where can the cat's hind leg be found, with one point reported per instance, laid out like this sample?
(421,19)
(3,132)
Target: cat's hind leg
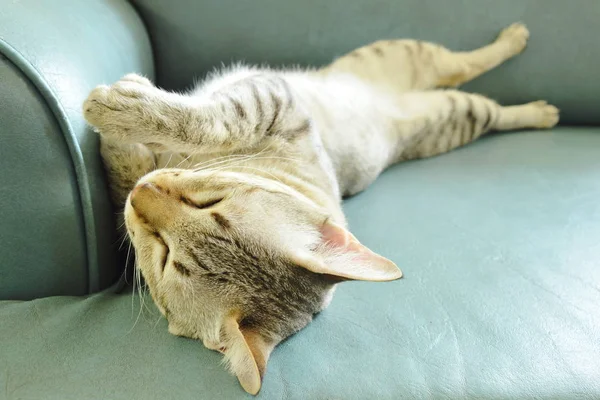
(537,114)
(445,120)
(405,65)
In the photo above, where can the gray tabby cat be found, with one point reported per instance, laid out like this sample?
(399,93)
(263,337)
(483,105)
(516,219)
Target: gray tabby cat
(245,240)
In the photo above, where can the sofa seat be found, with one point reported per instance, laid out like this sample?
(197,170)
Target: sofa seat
(500,245)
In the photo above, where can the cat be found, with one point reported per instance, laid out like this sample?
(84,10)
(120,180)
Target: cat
(232,191)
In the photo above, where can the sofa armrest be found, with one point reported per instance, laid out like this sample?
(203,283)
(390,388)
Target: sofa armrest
(57,220)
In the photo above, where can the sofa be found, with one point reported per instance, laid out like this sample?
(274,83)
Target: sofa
(499,240)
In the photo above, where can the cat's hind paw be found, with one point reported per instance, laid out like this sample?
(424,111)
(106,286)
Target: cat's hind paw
(546,115)
(516,35)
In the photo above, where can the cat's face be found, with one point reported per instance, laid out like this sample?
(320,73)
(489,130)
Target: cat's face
(240,262)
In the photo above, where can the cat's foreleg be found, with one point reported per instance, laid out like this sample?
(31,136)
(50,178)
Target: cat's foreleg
(243,114)
(125,164)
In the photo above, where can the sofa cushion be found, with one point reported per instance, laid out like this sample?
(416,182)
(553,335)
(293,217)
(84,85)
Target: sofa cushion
(56,221)
(191,37)
(499,243)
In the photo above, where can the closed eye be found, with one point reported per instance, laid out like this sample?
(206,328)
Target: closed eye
(206,204)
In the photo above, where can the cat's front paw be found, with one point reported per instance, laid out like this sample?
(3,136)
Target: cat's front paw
(516,36)
(118,111)
(142,80)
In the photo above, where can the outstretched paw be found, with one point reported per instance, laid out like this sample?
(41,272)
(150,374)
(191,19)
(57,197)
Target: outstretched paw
(142,80)
(516,35)
(118,111)
(546,115)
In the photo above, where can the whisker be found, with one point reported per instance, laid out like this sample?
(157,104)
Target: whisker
(237,159)
(264,171)
(157,321)
(231,156)
(222,158)
(185,159)
(278,181)
(169,161)
(125,272)
(122,223)
(245,159)
(123,239)
(141,297)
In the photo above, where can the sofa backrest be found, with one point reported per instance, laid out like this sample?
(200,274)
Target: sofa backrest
(561,65)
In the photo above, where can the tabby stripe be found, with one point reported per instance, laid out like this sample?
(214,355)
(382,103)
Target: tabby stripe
(289,99)
(454,131)
(463,133)
(219,239)
(221,220)
(260,114)
(197,261)
(442,142)
(245,250)
(435,136)
(434,144)
(227,126)
(239,109)
(185,123)
(302,128)
(492,116)
(378,52)
(452,101)
(423,136)
(277,105)
(488,117)
(472,122)
(179,267)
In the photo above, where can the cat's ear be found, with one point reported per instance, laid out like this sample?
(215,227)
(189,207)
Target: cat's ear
(246,352)
(360,262)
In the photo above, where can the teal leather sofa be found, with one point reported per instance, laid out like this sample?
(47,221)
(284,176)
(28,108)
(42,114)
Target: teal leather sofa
(499,241)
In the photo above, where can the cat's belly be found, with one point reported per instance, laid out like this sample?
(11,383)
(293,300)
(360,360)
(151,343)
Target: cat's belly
(355,123)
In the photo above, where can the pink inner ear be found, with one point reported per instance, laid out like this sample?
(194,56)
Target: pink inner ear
(374,267)
(335,235)
(340,238)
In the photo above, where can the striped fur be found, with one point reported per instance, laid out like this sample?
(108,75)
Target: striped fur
(235,216)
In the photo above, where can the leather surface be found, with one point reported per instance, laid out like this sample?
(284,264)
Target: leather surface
(42,252)
(191,37)
(57,225)
(499,243)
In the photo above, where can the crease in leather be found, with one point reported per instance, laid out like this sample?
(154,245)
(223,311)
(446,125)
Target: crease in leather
(83,189)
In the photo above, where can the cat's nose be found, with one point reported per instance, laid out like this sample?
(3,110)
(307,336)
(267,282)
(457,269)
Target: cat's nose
(146,187)
(152,203)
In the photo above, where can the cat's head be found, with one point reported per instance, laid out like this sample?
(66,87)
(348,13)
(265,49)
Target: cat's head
(240,262)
